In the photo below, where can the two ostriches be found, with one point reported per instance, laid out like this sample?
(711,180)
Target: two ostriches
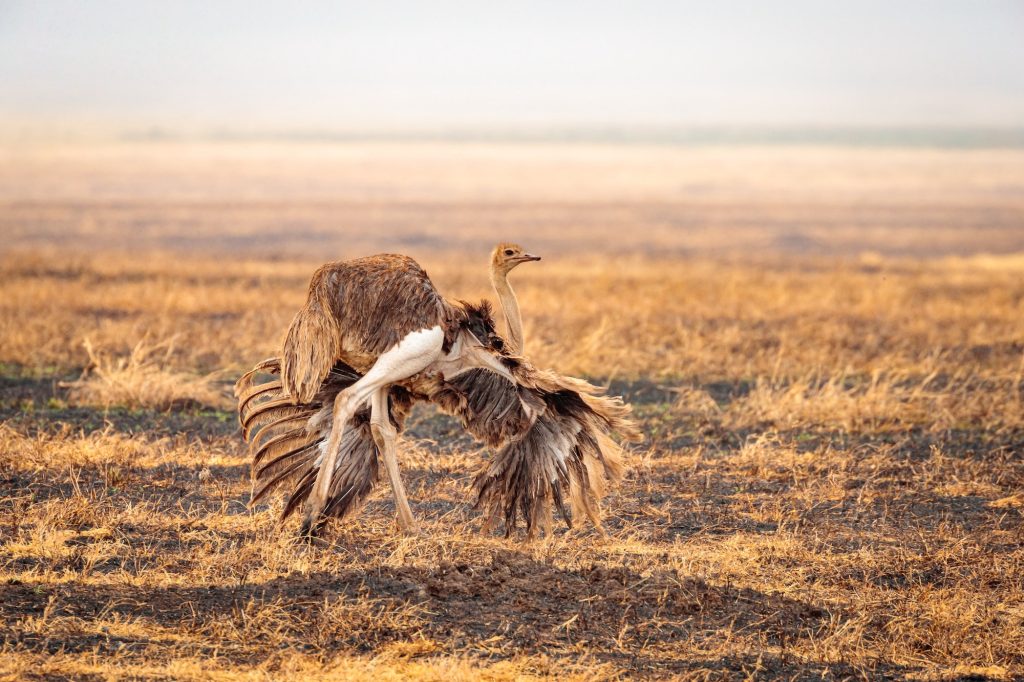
(373,338)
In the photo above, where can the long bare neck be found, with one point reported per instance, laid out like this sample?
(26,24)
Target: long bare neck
(509,306)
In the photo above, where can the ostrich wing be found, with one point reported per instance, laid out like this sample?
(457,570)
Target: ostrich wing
(552,437)
(492,408)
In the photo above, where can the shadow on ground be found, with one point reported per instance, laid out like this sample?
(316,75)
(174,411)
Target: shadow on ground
(506,605)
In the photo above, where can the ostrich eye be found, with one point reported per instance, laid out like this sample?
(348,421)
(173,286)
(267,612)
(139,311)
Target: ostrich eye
(509,252)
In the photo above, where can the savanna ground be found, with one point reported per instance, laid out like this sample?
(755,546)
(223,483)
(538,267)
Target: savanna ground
(827,367)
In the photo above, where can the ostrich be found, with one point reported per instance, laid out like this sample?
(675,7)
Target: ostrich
(374,337)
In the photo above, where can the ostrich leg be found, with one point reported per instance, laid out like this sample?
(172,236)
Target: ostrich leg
(412,355)
(385,435)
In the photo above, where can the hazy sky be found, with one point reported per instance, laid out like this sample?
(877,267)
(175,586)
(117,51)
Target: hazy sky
(358,65)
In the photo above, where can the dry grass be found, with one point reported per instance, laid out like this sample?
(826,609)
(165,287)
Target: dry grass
(831,485)
(140,380)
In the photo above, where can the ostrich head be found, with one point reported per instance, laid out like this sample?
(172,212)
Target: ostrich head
(507,256)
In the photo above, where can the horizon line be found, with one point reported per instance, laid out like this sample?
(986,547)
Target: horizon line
(896,135)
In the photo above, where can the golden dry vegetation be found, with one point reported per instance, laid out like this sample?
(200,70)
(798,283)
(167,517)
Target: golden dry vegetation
(827,366)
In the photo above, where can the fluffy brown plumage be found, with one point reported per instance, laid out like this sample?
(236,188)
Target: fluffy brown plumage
(552,435)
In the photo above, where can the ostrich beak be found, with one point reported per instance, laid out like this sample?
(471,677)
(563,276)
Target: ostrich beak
(527,257)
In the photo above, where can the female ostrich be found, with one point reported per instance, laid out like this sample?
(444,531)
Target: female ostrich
(373,337)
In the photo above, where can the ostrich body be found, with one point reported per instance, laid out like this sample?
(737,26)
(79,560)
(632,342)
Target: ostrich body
(374,337)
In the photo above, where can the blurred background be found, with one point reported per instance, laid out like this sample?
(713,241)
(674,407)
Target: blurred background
(327,130)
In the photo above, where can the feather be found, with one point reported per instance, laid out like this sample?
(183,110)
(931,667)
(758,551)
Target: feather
(272,482)
(255,392)
(272,425)
(489,405)
(304,450)
(285,441)
(268,366)
(281,443)
(356,474)
(566,451)
(310,348)
(246,383)
(300,492)
(255,412)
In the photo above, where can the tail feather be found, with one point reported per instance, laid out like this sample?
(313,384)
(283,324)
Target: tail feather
(247,382)
(300,491)
(265,411)
(357,472)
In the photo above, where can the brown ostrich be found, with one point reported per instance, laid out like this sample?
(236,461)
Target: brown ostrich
(374,337)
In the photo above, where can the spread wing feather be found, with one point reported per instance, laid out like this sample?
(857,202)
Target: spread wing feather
(553,437)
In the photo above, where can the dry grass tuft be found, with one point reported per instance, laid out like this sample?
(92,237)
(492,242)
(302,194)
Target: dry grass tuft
(882,401)
(141,379)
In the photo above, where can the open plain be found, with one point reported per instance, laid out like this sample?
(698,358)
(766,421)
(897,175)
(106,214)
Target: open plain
(824,347)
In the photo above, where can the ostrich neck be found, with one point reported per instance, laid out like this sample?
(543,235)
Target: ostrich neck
(509,306)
